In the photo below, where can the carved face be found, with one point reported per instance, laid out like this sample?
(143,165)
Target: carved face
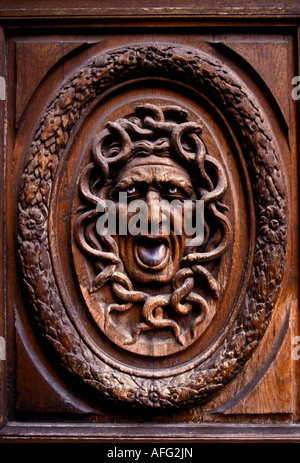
(151,267)
(154,251)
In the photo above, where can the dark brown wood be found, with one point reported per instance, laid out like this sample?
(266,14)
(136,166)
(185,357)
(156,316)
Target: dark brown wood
(2,235)
(133,8)
(140,433)
(110,332)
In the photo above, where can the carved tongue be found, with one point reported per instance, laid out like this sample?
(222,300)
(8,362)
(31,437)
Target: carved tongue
(152,252)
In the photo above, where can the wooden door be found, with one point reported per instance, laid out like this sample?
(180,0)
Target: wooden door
(149,223)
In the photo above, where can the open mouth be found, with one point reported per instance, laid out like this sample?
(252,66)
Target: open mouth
(152,252)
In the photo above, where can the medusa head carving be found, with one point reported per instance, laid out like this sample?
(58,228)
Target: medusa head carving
(153,224)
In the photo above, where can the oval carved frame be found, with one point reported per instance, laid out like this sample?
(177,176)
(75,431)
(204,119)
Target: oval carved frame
(53,131)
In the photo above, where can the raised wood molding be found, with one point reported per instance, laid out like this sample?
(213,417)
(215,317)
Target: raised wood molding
(133,8)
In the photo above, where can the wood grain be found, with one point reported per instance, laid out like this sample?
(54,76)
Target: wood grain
(2,234)
(261,403)
(220,8)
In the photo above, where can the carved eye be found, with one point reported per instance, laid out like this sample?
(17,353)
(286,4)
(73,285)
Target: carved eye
(172,190)
(131,190)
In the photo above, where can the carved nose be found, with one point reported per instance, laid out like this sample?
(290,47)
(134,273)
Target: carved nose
(154,209)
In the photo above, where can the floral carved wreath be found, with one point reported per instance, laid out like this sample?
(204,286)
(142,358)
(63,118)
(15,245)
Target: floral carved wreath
(174,388)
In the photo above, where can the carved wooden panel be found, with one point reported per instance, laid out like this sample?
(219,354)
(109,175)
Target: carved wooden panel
(151,188)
